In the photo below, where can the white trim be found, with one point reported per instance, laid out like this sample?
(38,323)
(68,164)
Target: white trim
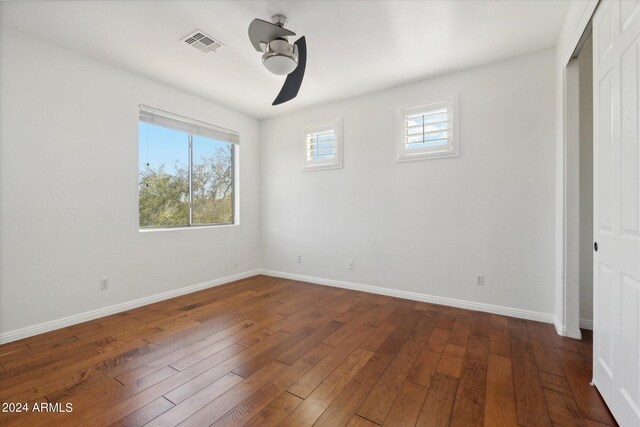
(571,208)
(40,328)
(587,13)
(452,302)
(193,227)
(560,329)
(565,47)
(563,331)
(586,324)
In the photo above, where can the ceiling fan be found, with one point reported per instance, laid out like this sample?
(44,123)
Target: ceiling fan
(280,57)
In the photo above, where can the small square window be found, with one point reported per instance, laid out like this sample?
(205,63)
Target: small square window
(429,131)
(323,146)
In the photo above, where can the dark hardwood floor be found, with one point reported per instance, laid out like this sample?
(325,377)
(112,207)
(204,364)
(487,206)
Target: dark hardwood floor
(265,351)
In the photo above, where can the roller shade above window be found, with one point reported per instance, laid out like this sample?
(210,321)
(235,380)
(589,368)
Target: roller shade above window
(184,124)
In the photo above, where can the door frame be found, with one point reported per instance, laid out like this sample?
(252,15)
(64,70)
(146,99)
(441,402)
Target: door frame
(567,297)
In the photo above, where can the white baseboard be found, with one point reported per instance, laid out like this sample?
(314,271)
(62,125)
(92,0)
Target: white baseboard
(560,329)
(586,324)
(576,334)
(564,332)
(470,305)
(40,328)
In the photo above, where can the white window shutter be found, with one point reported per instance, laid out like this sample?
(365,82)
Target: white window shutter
(323,146)
(429,130)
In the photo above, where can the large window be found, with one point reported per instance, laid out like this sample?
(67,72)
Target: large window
(429,130)
(186,171)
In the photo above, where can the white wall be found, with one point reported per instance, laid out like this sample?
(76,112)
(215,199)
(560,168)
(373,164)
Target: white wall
(585,61)
(69,201)
(426,226)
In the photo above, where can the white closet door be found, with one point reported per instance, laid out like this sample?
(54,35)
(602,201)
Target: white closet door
(616,62)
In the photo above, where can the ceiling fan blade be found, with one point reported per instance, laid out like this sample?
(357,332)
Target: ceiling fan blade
(294,79)
(261,31)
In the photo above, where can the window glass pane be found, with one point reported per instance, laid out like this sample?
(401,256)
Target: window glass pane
(415,138)
(424,145)
(434,118)
(327,137)
(415,130)
(163,156)
(436,126)
(414,121)
(212,181)
(435,135)
(321,146)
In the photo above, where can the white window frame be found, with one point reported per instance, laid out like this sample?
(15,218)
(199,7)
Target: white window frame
(452,149)
(193,127)
(336,162)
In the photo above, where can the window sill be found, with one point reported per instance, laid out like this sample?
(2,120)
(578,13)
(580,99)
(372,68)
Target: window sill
(196,227)
(321,167)
(428,156)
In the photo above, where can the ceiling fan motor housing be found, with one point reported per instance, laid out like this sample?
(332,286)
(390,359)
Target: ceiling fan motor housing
(281,57)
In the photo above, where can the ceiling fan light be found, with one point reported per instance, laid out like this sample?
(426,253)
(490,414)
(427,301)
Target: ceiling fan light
(280,65)
(280,58)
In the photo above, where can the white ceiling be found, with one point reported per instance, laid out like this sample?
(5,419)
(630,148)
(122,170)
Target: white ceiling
(354,47)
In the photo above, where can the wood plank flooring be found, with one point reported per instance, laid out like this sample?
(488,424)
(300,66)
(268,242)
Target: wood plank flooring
(265,351)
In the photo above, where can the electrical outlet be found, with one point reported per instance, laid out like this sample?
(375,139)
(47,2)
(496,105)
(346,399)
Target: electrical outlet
(480,279)
(104,283)
(299,259)
(351,265)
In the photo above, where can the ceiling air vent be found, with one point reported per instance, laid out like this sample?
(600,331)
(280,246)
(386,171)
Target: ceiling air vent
(202,42)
